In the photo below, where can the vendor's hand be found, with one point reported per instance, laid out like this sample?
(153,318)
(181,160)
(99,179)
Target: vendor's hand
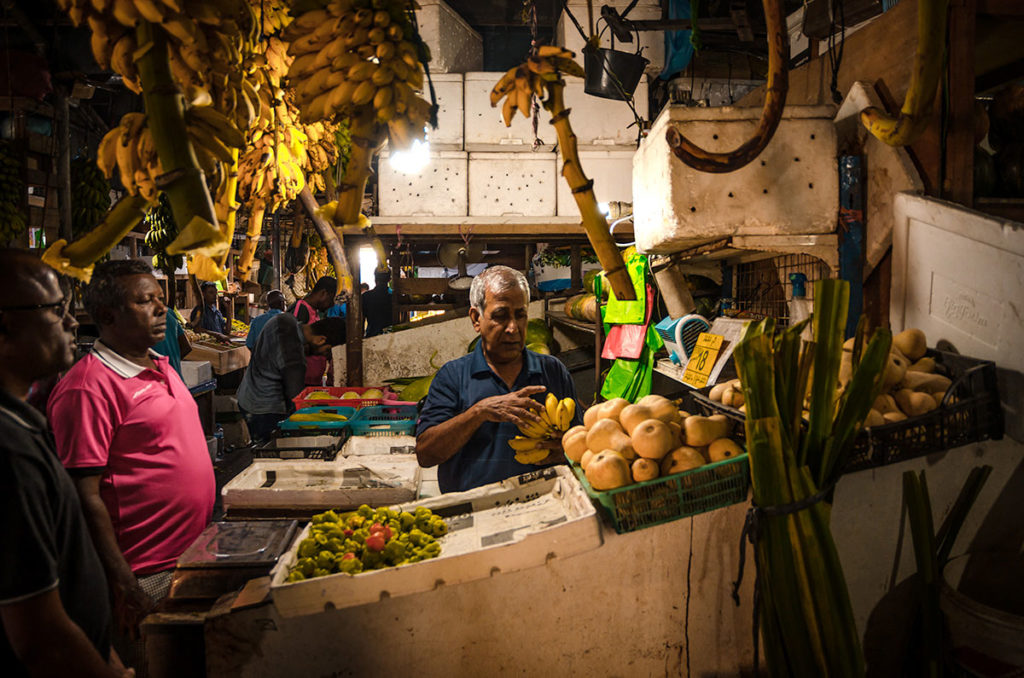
(118,666)
(131,605)
(516,407)
(556,454)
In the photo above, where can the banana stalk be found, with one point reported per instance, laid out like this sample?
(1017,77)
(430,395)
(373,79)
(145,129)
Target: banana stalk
(331,239)
(252,235)
(905,128)
(367,138)
(77,258)
(774,101)
(165,108)
(229,205)
(594,221)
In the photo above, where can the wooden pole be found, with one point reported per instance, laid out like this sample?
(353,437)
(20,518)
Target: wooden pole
(958,183)
(354,327)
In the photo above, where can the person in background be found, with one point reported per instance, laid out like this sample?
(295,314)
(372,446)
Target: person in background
(207,317)
(275,305)
(265,277)
(340,306)
(54,611)
(476,402)
(377,304)
(128,431)
(307,311)
(277,367)
(175,343)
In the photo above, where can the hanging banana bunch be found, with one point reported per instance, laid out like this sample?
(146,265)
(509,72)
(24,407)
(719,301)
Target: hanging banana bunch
(129,149)
(912,120)
(541,76)
(273,16)
(90,197)
(161,232)
(774,101)
(361,62)
(12,194)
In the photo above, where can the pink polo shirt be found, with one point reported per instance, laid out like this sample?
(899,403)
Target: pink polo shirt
(141,427)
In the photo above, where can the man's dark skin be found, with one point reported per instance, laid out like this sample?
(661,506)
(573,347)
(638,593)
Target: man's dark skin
(209,299)
(130,331)
(35,344)
(275,300)
(502,328)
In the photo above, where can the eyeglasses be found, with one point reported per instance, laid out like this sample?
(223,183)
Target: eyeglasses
(60,307)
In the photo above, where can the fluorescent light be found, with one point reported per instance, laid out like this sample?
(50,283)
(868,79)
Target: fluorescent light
(605,208)
(413,160)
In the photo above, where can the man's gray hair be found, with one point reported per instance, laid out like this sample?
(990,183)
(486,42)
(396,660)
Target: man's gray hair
(497,279)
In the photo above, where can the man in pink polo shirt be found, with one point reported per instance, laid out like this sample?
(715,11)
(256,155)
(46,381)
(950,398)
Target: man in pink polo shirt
(128,431)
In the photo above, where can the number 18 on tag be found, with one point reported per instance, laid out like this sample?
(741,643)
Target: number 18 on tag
(702,360)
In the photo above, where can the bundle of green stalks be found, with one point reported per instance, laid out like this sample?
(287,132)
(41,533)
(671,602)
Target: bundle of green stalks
(806,619)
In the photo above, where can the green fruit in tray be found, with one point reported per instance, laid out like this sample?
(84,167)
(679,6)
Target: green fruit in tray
(373,393)
(366,539)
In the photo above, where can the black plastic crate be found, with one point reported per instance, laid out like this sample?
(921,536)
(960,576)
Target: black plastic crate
(303,445)
(970,413)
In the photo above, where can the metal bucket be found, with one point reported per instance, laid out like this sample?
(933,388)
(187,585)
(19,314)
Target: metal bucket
(605,66)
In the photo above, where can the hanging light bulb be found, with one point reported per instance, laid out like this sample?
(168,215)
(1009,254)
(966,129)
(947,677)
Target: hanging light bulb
(413,159)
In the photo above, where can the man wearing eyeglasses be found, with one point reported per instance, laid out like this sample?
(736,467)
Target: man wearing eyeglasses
(128,431)
(54,612)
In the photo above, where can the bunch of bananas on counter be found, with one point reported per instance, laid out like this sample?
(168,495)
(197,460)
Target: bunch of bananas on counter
(352,54)
(161,232)
(90,197)
(555,417)
(12,194)
(519,84)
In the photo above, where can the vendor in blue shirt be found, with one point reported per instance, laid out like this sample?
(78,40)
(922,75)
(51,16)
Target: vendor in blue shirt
(275,304)
(206,317)
(476,402)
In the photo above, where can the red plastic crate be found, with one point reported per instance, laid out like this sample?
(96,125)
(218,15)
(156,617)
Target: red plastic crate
(303,399)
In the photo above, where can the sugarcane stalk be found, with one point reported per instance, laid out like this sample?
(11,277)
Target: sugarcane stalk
(88,249)
(182,179)
(771,114)
(594,222)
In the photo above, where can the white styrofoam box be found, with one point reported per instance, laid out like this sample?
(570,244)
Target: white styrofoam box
(611,172)
(195,372)
(603,122)
(448,134)
(519,523)
(958,275)
(440,189)
(379,446)
(512,184)
(341,484)
(454,46)
(791,188)
(652,43)
(485,128)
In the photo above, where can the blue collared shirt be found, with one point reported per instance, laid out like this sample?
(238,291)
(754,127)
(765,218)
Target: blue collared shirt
(461,383)
(256,326)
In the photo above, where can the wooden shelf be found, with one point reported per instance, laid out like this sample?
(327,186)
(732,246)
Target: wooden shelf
(427,307)
(1008,208)
(560,318)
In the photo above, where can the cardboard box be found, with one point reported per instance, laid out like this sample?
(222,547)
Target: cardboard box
(222,360)
(195,371)
(513,525)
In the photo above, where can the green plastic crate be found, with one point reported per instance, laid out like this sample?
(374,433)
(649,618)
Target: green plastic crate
(669,498)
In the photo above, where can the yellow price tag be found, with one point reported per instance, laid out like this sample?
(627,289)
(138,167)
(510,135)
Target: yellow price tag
(702,360)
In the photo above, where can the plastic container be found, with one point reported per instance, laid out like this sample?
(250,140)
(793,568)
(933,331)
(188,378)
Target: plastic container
(304,400)
(325,425)
(610,73)
(303,445)
(970,413)
(669,498)
(384,420)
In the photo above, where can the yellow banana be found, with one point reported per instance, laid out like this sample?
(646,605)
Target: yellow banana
(566,411)
(533,457)
(508,110)
(522,444)
(151,10)
(551,408)
(125,13)
(504,86)
(202,136)
(383,97)
(364,93)
(218,124)
(382,76)
(121,57)
(362,71)
(341,95)
(106,154)
(545,51)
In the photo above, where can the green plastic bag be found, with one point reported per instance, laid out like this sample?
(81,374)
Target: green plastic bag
(617,312)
